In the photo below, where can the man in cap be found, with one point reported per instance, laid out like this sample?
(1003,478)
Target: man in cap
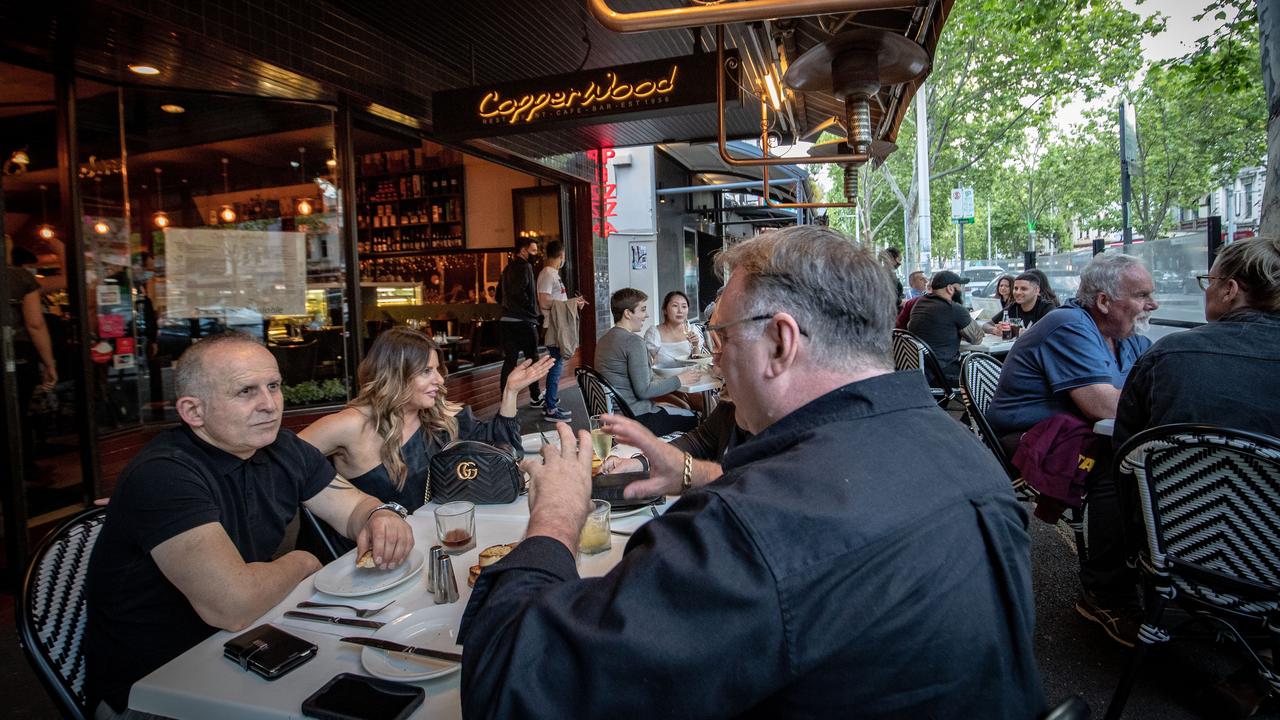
(941,321)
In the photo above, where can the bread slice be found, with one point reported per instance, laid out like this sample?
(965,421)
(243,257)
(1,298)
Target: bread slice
(473,574)
(494,553)
(366,561)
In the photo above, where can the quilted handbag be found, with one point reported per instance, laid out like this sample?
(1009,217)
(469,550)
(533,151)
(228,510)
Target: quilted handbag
(474,471)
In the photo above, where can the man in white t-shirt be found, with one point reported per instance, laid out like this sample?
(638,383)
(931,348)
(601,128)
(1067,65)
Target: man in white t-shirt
(550,289)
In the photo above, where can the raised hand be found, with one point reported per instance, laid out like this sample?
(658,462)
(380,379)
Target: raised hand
(560,487)
(666,463)
(528,372)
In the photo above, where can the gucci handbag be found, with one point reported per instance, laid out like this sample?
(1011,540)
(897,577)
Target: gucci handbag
(474,471)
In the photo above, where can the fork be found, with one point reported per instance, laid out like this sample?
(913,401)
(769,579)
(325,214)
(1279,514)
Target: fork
(360,612)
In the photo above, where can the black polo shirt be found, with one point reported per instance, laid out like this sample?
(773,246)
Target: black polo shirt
(138,620)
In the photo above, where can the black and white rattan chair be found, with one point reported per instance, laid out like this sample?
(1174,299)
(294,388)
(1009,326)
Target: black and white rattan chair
(979,375)
(912,353)
(599,395)
(1209,498)
(51,611)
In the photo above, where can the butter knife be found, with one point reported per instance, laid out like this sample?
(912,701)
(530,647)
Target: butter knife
(317,617)
(406,649)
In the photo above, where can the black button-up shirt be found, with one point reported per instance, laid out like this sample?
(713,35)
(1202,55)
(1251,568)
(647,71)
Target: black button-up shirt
(1224,373)
(862,557)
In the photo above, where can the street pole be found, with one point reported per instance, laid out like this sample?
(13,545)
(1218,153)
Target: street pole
(990,254)
(960,244)
(924,226)
(1126,189)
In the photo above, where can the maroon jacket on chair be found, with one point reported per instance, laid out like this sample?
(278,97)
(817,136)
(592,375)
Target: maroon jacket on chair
(1054,456)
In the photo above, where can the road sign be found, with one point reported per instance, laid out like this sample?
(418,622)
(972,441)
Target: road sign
(962,205)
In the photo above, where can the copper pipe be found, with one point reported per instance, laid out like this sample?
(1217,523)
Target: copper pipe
(730,12)
(765,159)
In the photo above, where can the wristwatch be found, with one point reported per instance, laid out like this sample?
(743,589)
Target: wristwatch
(394,507)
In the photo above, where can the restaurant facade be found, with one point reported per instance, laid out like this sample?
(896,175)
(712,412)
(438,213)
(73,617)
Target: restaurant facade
(314,173)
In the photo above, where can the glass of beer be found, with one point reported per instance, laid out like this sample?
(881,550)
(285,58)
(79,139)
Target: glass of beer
(595,536)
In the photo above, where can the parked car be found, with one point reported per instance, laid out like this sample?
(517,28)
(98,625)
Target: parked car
(980,276)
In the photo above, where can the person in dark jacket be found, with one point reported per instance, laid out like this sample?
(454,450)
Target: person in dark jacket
(802,582)
(941,321)
(1226,372)
(520,315)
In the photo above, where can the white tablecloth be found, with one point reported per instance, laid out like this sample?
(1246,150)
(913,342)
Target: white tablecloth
(202,684)
(990,344)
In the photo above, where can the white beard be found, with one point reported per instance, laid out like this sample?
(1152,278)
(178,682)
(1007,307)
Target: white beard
(1142,325)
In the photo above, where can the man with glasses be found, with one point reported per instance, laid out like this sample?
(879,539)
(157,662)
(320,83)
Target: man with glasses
(826,573)
(1074,362)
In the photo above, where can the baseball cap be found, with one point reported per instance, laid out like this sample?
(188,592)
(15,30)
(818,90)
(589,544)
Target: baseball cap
(945,278)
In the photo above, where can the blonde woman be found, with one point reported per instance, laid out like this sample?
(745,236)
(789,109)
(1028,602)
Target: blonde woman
(383,441)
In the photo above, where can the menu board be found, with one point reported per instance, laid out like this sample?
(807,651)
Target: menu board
(210,272)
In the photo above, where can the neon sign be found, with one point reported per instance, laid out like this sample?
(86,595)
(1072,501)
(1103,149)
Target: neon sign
(604,194)
(625,92)
(527,107)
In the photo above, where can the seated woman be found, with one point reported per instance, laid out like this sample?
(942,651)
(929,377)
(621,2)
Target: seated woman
(623,360)
(674,340)
(384,439)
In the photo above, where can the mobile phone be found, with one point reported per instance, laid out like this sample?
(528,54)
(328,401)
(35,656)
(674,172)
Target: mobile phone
(349,696)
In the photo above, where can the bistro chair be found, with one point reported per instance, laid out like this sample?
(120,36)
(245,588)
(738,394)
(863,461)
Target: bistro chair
(51,611)
(599,395)
(979,375)
(912,353)
(1209,498)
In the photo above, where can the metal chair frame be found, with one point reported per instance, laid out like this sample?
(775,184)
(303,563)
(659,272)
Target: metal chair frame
(51,610)
(1210,504)
(912,353)
(598,394)
(979,375)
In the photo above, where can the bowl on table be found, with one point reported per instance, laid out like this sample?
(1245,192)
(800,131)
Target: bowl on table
(671,368)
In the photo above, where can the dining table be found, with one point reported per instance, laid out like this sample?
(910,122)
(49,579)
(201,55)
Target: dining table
(203,685)
(990,344)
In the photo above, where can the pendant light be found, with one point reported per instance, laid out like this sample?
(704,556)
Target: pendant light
(160,218)
(226,213)
(100,227)
(303,206)
(45,231)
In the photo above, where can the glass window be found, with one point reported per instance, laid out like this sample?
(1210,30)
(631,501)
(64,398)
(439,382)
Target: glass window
(233,223)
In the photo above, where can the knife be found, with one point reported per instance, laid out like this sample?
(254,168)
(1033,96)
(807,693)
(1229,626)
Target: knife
(406,649)
(331,619)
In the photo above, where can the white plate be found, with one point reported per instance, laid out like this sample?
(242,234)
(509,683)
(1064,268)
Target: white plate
(426,628)
(343,579)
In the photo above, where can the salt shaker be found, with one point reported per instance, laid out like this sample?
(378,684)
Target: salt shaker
(432,578)
(446,590)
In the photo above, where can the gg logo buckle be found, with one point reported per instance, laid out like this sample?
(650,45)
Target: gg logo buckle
(467,470)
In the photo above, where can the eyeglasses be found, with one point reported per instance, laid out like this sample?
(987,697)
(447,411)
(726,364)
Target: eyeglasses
(1204,280)
(715,339)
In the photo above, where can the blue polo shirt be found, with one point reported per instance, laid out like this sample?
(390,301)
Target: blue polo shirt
(1063,351)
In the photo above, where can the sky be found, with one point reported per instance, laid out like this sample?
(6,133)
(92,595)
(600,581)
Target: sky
(1179,38)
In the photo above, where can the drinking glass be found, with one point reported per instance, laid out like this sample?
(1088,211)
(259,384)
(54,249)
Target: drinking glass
(456,526)
(1015,326)
(601,440)
(595,537)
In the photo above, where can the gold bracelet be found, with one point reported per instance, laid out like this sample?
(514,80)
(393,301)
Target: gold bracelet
(686,481)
